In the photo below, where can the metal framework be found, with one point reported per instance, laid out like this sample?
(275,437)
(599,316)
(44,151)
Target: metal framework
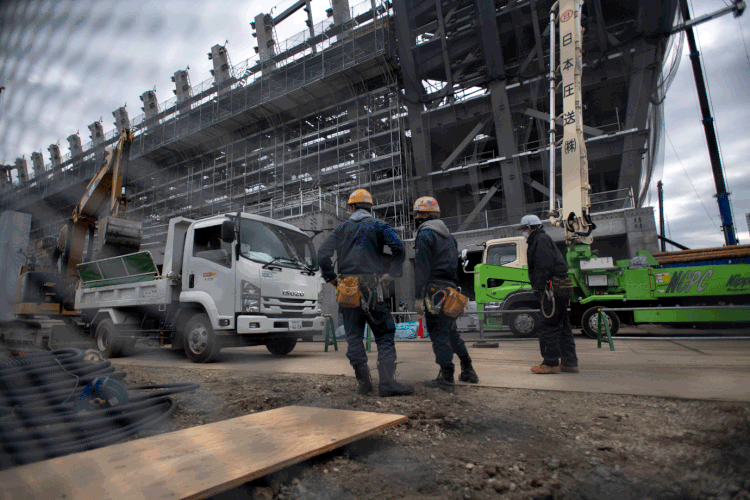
(407,98)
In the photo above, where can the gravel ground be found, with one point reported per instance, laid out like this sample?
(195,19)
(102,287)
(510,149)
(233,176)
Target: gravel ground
(486,442)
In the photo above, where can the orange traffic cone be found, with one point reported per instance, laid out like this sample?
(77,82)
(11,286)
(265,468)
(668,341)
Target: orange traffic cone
(420,330)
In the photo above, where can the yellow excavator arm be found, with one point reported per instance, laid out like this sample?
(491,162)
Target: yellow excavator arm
(103,193)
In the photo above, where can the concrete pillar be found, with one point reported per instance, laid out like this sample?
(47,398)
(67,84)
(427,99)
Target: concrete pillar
(264,32)
(97,133)
(74,145)
(341,11)
(640,227)
(22,170)
(150,104)
(37,163)
(182,85)
(122,121)
(54,155)
(14,233)
(352,113)
(221,71)
(5,179)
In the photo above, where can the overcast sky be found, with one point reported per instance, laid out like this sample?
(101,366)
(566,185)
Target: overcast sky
(66,64)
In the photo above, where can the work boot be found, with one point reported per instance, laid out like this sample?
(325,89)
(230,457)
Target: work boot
(467,372)
(388,385)
(443,381)
(362,372)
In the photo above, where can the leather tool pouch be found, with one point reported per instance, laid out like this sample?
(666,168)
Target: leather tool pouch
(562,287)
(455,303)
(348,293)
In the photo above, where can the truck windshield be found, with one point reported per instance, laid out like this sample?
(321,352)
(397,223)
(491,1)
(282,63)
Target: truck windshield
(266,243)
(500,255)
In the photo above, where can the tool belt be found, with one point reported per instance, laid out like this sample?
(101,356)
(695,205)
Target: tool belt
(363,290)
(442,297)
(562,287)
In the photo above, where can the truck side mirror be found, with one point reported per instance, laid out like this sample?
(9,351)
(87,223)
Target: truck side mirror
(227,231)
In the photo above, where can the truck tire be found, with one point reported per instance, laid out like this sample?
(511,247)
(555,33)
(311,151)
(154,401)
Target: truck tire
(201,343)
(590,322)
(523,324)
(107,340)
(281,347)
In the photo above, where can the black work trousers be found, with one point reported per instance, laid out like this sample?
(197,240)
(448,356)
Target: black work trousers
(556,337)
(445,339)
(383,331)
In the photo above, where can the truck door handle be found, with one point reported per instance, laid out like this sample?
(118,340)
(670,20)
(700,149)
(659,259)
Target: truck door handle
(191,281)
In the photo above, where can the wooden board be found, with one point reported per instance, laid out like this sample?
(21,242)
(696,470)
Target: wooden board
(196,462)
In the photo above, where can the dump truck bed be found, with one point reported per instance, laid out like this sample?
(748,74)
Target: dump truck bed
(124,281)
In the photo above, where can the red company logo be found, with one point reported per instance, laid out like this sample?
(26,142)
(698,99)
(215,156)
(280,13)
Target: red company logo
(566,16)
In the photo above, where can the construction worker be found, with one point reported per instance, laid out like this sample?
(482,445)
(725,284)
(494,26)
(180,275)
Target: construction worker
(555,333)
(359,243)
(435,268)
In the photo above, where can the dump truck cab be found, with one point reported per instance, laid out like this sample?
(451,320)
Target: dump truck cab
(227,280)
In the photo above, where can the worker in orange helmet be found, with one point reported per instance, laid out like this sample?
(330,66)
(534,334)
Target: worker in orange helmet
(359,243)
(436,269)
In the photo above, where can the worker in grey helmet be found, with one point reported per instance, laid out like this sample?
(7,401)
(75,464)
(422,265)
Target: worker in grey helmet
(359,242)
(555,333)
(435,269)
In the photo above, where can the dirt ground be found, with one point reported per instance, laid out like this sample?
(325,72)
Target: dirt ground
(486,442)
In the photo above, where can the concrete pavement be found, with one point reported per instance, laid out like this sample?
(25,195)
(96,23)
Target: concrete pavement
(691,369)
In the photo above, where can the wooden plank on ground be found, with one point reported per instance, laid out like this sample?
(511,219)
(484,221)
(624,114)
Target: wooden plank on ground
(196,462)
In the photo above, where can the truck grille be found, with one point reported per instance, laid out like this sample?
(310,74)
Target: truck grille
(288,307)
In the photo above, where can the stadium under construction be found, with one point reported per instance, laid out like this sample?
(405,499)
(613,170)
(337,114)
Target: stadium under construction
(405,99)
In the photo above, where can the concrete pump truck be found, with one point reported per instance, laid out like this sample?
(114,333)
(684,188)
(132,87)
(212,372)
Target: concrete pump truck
(675,288)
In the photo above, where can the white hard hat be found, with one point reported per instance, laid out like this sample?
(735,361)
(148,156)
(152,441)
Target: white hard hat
(530,220)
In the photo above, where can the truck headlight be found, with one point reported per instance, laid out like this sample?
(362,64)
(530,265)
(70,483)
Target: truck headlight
(250,305)
(493,305)
(320,295)
(249,290)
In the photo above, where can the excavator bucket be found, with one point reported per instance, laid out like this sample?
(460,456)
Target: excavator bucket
(119,237)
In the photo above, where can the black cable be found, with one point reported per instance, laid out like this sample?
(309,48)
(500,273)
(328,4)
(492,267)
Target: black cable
(40,419)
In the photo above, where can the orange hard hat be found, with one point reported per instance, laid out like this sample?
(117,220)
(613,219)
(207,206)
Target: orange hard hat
(426,204)
(360,196)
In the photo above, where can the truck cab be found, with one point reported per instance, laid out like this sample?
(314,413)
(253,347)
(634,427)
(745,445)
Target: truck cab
(502,275)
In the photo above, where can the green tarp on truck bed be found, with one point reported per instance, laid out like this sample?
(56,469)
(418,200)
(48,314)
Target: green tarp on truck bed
(131,268)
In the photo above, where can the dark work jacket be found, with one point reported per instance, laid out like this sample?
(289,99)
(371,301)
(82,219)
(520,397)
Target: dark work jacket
(359,243)
(436,255)
(544,258)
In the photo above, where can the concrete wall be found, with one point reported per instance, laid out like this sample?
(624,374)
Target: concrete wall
(14,236)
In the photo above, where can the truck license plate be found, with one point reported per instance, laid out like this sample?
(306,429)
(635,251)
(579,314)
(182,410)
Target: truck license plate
(295,325)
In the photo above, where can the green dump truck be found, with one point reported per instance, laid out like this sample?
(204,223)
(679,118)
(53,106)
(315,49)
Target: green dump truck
(684,279)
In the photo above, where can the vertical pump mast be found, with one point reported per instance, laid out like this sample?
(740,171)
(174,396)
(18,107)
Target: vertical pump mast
(573,216)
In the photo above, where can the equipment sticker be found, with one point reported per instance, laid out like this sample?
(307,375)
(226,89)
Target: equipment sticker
(662,278)
(209,275)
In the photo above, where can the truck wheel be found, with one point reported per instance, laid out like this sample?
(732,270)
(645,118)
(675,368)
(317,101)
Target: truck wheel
(201,343)
(281,347)
(523,324)
(590,322)
(107,340)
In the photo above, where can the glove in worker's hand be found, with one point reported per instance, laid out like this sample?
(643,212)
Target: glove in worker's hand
(419,307)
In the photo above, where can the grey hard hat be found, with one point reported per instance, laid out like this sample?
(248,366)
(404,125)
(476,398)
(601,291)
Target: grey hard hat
(530,220)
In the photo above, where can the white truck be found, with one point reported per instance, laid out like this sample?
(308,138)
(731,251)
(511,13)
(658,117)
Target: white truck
(228,280)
